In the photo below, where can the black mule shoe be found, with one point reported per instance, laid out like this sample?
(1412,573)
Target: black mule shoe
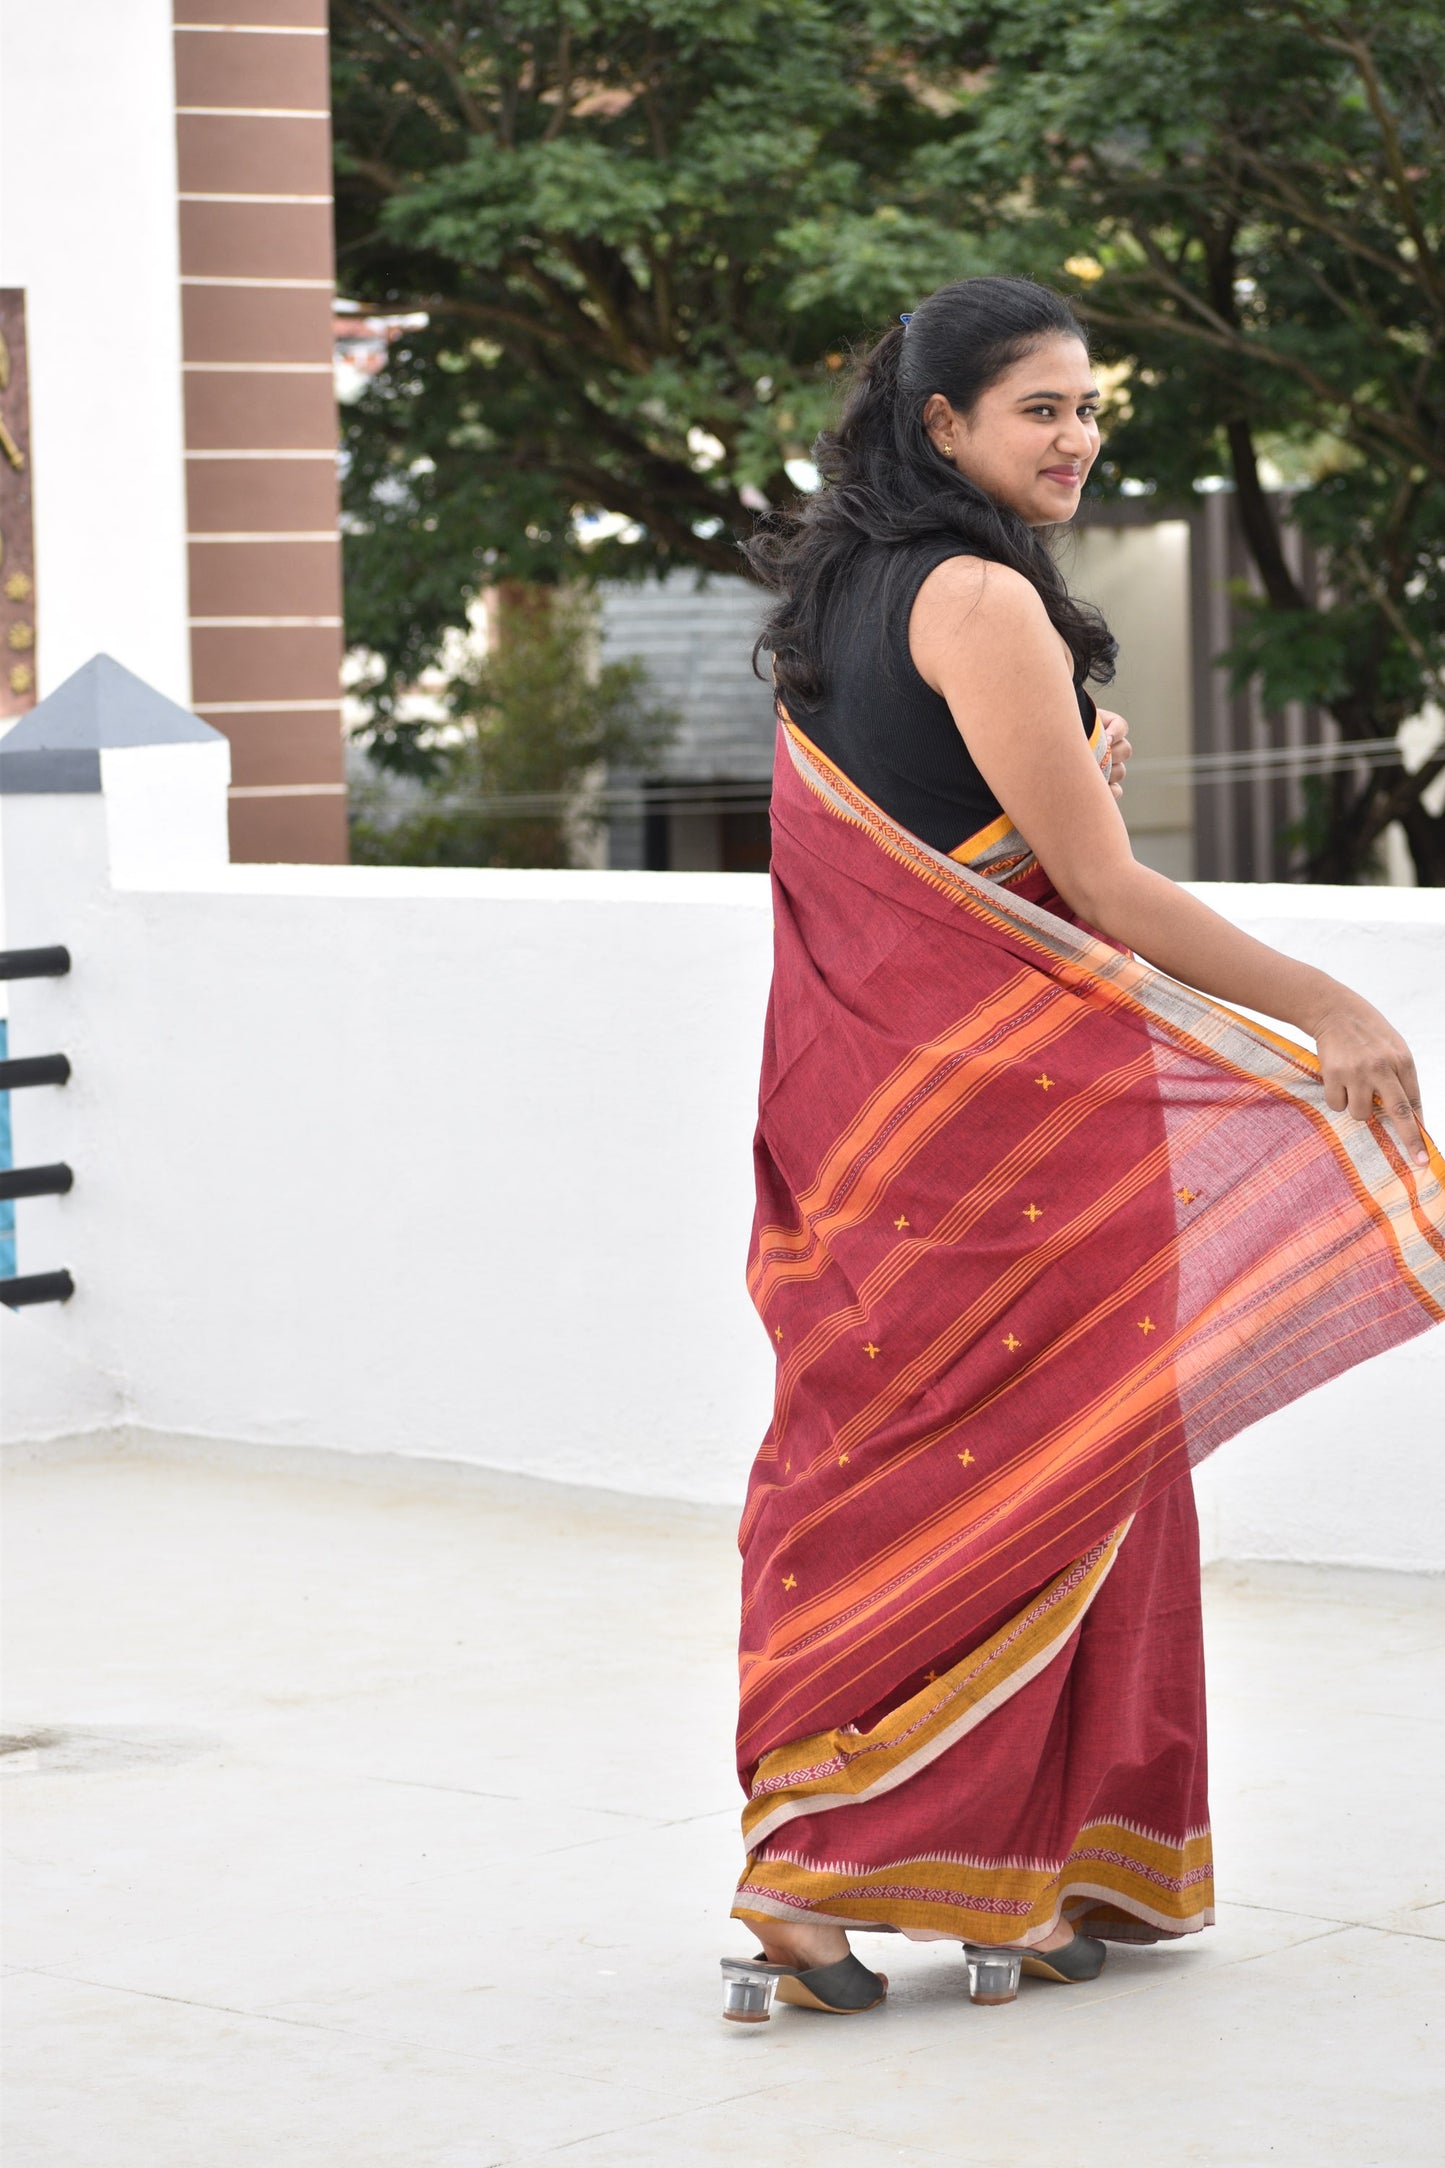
(1081,1959)
(749,1984)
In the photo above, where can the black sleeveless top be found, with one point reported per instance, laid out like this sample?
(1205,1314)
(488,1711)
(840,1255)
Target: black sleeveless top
(890,733)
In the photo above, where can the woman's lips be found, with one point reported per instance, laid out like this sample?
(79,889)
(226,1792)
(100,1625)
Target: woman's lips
(1068,477)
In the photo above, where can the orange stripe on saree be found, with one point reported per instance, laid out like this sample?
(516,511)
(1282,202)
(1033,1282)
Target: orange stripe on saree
(1037,1229)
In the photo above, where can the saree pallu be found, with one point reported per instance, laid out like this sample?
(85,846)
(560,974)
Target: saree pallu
(1038,1227)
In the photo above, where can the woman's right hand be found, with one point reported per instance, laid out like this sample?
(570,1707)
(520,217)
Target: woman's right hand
(1369,1069)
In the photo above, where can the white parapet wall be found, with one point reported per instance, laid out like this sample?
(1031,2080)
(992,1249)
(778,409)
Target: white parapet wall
(456,1165)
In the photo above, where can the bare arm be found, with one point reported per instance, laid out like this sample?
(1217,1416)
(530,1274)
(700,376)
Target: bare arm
(980,636)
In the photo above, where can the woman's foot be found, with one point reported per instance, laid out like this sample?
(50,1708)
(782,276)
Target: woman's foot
(802,1943)
(1061,1936)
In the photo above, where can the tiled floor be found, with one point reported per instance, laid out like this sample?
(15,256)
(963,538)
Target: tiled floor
(388,1822)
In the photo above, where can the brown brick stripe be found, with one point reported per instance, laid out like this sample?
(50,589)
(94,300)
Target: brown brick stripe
(254,150)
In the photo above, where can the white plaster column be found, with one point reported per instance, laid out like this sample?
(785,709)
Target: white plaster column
(88,228)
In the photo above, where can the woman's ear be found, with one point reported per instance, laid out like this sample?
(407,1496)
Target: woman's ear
(939,420)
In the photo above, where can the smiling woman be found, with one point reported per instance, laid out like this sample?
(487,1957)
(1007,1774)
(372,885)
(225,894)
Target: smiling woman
(1039,1224)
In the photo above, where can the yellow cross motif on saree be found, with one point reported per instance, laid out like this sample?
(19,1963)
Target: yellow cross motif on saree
(777,1332)
(790,1580)
(1044,1082)
(1010,1343)
(870,1349)
(842,1460)
(900,1223)
(966,1458)
(1186,1195)
(1147,1325)
(1033,1212)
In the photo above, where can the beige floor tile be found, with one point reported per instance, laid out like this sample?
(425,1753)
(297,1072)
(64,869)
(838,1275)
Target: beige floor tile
(1317,2054)
(394,1827)
(148,2083)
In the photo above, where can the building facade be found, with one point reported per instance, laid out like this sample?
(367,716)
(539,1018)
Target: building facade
(165,173)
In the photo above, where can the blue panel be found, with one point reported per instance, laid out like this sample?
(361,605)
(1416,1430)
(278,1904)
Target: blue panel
(7,1208)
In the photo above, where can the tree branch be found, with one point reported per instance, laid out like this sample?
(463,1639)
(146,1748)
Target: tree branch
(1283,195)
(1364,61)
(1258,522)
(560,115)
(474,116)
(1385,428)
(625,348)
(597,485)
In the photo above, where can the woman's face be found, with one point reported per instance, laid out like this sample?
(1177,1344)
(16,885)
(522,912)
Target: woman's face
(1032,436)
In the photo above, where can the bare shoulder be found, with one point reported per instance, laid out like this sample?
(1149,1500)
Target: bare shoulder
(972,602)
(979,580)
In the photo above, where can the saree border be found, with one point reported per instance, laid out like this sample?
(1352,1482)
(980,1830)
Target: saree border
(1114,1866)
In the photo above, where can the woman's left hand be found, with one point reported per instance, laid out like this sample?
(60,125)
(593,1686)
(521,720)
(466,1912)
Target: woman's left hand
(1116,730)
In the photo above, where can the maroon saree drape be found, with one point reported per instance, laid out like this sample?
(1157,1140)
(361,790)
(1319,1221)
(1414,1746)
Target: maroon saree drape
(1037,1229)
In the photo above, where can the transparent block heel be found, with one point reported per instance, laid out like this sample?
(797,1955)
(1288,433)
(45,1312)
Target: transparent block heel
(993,1975)
(747,1991)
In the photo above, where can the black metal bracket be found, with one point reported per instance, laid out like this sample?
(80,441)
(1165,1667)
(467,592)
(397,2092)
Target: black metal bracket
(34,1069)
(34,963)
(17,1293)
(35,1181)
(36,1287)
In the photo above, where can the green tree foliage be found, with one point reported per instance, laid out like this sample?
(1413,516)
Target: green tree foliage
(507,778)
(1262,189)
(598,208)
(644,234)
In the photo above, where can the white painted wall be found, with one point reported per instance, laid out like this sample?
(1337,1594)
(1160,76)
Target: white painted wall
(1139,577)
(88,226)
(457,1165)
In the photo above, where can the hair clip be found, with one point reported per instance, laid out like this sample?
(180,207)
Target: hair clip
(906,318)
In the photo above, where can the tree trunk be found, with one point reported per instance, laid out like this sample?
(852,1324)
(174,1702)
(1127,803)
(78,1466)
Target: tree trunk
(515,606)
(1425,834)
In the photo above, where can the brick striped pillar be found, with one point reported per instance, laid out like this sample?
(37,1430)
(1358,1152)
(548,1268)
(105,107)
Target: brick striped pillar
(257,268)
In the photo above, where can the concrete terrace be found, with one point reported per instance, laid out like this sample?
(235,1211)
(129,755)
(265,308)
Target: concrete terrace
(377,1816)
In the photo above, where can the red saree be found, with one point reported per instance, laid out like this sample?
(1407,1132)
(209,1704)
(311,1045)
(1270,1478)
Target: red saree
(1037,1229)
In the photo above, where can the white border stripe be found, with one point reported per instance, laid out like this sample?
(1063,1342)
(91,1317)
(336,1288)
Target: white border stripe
(201,278)
(205,195)
(235,452)
(287,790)
(266,707)
(253,112)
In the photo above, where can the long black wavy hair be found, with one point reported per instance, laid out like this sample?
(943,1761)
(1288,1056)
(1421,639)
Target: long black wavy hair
(884,481)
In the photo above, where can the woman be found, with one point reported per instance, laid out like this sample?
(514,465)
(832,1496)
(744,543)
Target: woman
(1040,1222)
